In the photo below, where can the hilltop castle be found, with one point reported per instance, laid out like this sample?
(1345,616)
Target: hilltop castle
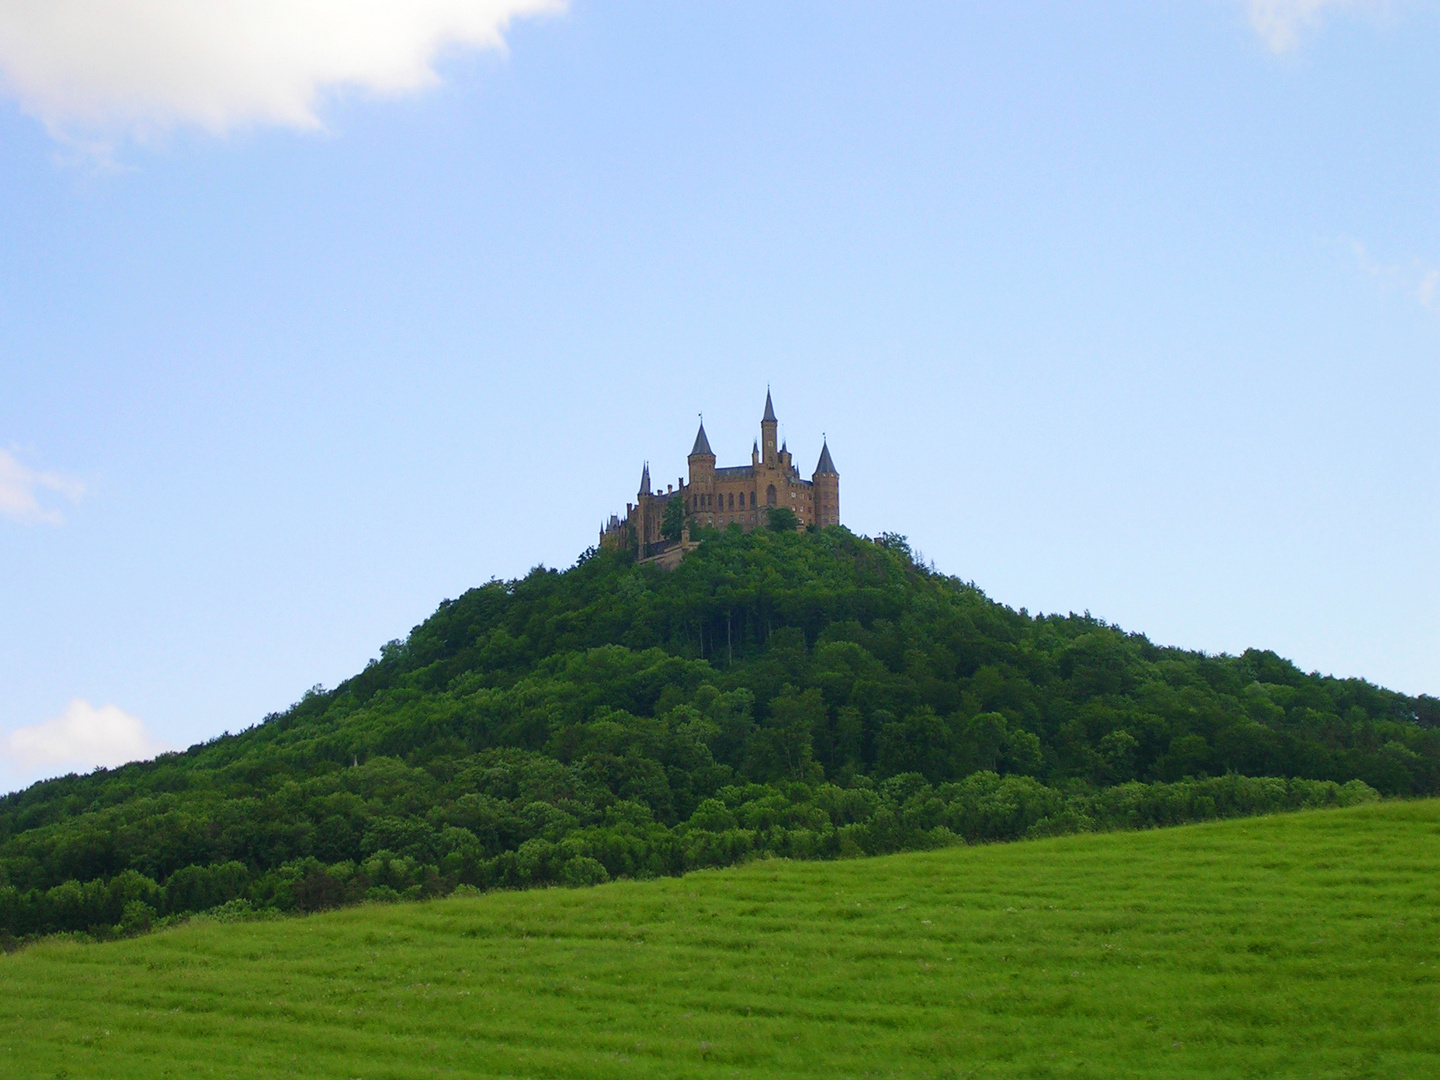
(740,495)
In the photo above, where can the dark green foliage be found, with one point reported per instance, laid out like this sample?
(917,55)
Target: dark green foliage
(673,523)
(782,519)
(804,694)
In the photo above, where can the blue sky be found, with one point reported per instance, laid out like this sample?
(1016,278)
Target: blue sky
(1132,308)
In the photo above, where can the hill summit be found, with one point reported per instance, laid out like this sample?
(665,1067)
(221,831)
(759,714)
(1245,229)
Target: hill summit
(806,694)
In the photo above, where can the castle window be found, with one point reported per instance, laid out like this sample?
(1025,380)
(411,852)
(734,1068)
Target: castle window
(732,500)
(770,495)
(752,500)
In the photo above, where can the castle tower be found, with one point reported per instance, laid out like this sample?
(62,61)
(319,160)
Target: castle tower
(701,459)
(826,483)
(699,494)
(647,525)
(768,425)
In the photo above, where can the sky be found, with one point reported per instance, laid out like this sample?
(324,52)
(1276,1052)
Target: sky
(313,314)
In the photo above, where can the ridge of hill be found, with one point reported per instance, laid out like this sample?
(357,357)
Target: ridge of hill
(1299,945)
(800,694)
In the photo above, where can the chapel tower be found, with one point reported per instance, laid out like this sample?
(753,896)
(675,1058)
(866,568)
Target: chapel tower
(768,426)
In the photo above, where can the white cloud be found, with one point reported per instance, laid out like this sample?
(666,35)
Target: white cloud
(1416,279)
(1281,22)
(80,738)
(22,490)
(145,66)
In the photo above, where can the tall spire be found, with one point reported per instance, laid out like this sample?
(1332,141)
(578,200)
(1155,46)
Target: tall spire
(645,480)
(768,424)
(702,444)
(826,466)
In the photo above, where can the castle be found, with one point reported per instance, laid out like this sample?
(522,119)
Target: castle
(741,495)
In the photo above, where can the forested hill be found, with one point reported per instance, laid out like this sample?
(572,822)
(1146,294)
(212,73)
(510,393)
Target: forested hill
(811,695)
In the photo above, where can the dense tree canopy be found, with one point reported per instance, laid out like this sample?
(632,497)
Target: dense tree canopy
(803,694)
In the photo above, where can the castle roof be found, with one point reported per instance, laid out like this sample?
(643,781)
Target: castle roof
(747,472)
(645,480)
(702,444)
(769,417)
(826,466)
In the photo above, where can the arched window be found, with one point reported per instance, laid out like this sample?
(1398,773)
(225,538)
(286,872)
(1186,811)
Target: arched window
(770,495)
(752,500)
(732,500)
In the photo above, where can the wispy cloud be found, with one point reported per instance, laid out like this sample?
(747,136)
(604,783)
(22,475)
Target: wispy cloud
(79,739)
(142,67)
(27,496)
(1283,24)
(1416,279)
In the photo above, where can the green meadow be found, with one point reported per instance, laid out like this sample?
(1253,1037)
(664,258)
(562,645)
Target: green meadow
(1304,945)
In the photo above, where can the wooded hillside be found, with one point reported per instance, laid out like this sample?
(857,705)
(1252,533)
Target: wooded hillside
(811,695)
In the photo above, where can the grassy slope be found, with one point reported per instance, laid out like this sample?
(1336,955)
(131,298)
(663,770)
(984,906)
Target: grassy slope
(1300,945)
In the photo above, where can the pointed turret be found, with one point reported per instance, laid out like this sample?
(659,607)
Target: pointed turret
(702,467)
(827,489)
(768,424)
(702,444)
(826,466)
(645,480)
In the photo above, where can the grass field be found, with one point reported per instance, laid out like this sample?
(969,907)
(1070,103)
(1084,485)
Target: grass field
(1305,945)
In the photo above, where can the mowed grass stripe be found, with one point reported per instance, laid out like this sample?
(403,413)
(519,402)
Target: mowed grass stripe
(1303,945)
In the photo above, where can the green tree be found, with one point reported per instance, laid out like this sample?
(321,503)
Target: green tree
(672,524)
(782,519)
(986,735)
(920,743)
(783,746)
(1118,750)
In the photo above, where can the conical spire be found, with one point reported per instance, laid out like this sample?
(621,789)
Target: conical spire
(769,417)
(826,466)
(645,480)
(702,444)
